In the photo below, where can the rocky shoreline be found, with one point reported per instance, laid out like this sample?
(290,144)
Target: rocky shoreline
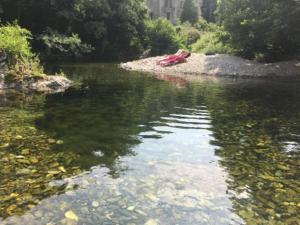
(217,65)
(46,84)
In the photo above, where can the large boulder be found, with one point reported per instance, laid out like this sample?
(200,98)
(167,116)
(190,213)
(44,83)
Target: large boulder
(47,84)
(51,84)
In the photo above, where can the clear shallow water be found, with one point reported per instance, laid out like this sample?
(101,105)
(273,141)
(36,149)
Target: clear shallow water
(126,148)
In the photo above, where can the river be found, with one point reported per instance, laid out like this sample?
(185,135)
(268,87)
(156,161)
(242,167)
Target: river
(130,148)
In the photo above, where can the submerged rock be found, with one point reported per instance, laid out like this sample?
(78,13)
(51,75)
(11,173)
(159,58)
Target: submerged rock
(71,215)
(51,84)
(151,222)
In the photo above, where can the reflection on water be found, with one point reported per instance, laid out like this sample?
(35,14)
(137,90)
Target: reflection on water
(155,151)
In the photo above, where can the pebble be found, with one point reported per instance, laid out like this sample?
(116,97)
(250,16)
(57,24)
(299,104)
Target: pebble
(130,208)
(151,222)
(71,215)
(95,204)
(85,210)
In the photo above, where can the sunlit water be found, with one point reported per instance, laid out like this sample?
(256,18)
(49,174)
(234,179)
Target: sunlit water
(130,148)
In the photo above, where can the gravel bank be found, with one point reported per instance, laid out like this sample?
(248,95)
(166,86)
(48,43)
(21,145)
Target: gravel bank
(218,65)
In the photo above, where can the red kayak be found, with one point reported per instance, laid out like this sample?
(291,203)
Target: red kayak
(179,57)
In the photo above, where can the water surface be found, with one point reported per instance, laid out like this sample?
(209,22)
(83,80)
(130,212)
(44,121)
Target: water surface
(131,148)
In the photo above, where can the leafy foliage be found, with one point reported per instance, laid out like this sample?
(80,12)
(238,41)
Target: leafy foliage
(212,42)
(113,28)
(266,29)
(188,34)
(202,25)
(60,45)
(208,10)
(189,12)
(14,41)
(163,37)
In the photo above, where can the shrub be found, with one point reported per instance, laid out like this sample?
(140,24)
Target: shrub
(56,44)
(202,25)
(189,34)
(163,37)
(212,42)
(14,41)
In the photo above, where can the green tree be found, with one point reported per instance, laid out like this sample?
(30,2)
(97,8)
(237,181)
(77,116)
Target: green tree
(189,12)
(163,37)
(113,28)
(208,10)
(262,29)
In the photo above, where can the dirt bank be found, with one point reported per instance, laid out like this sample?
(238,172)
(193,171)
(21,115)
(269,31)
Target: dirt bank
(218,65)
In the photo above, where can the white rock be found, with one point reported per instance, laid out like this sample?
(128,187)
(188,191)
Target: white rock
(95,204)
(151,222)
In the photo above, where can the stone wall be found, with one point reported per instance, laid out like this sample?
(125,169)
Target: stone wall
(170,9)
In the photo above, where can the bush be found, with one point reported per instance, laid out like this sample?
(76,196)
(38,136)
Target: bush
(213,42)
(14,41)
(55,44)
(202,25)
(162,37)
(188,34)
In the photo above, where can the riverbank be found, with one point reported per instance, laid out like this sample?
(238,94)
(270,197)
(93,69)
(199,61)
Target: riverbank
(218,65)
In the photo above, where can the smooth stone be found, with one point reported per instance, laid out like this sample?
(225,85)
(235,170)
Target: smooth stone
(95,204)
(131,208)
(71,215)
(151,222)
(84,210)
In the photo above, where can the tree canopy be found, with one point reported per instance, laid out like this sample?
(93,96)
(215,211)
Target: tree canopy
(208,10)
(189,12)
(111,27)
(108,29)
(262,29)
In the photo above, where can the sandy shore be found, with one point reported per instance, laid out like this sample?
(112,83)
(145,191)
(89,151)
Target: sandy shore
(217,65)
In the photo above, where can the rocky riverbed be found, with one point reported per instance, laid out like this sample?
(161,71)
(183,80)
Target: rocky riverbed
(218,65)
